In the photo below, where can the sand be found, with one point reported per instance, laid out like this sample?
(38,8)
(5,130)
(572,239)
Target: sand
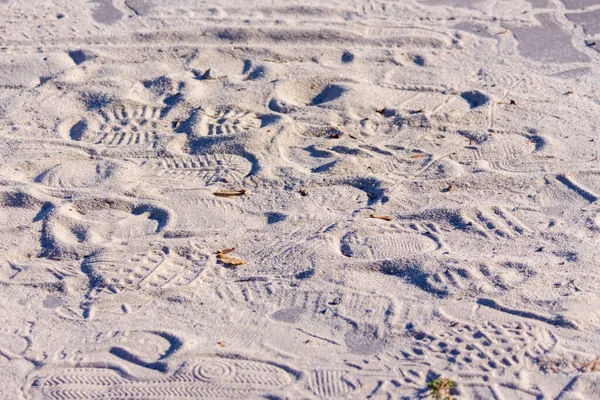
(299,200)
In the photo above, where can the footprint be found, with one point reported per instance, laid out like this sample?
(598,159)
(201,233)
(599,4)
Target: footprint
(79,228)
(20,213)
(494,222)
(485,278)
(199,376)
(204,169)
(338,198)
(157,267)
(501,150)
(227,122)
(296,95)
(359,309)
(489,348)
(127,124)
(198,213)
(385,244)
(85,174)
(331,384)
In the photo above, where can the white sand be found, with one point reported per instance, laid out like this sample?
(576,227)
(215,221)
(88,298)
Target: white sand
(473,125)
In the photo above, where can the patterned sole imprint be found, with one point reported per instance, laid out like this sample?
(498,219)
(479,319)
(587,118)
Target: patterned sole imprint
(331,384)
(486,348)
(227,122)
(382,245)
(491,222)
(154,268)
(358,307)
(122,125)
(206,169)
(474,280)
(196,378)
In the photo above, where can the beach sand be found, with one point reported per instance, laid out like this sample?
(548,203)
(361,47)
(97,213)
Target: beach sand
(299,200)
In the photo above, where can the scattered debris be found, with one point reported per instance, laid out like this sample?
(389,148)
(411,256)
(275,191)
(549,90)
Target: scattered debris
(74,208)
(558,365)
(419,156)
(441,388)
(229,261)
(512,103)
(588,366)
(303,192)
(230,193)
(448,189)
(221,343)
(502,32)
(384,217)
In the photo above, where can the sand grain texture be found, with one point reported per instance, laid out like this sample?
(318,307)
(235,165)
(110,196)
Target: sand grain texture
(304,200)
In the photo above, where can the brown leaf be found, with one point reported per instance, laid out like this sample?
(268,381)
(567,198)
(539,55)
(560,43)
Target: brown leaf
(74,208)
(226,251)
(230,193)
(419,156)
(502,32)
(384,217)
(221,343)
(230,261)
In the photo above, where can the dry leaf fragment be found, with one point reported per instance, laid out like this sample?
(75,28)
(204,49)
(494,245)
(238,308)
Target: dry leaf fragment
(275,61)
(419,156)
(384,217)
(74,208)
(304,192)
(502,32)
(221,343)
(448,189)
(513,103)
(225,251)
(230,193)
(231,261)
